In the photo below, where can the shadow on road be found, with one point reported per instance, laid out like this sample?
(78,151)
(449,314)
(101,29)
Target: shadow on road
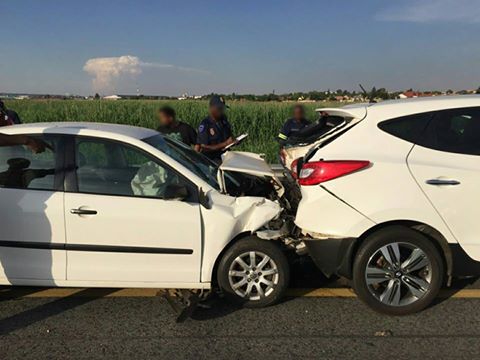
(42,312)
(304,275)
(14,292)
(457,285)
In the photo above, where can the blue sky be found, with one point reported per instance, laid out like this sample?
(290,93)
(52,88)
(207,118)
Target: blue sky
(171,47)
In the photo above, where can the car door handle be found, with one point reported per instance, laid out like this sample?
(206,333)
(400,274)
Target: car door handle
(83,212)
(442,182)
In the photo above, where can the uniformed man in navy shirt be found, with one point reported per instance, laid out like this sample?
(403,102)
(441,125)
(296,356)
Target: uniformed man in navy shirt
(214,132)
(8,116)
(293,125)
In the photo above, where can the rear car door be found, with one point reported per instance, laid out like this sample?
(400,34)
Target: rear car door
(32,228)
(446,164)
(119,226)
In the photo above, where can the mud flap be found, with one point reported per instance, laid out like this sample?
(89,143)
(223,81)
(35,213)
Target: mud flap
(332,256)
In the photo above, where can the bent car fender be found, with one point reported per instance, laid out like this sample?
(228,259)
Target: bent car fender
(227,218)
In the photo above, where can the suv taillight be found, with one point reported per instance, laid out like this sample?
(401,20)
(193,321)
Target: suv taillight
(316,172)
(293,168)
(282,156)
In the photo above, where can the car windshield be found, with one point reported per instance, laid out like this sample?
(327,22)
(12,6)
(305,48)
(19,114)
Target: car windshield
(197,163)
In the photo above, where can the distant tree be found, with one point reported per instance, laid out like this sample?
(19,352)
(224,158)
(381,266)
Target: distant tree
(97,96)
(478,90)
(382,93)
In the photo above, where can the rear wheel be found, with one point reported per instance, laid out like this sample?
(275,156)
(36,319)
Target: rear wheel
(254,272)
(398,271)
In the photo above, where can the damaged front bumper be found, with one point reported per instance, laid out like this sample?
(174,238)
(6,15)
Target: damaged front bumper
(333,256)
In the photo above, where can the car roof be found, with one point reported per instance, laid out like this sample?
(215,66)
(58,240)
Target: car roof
(81,128)
(424,104)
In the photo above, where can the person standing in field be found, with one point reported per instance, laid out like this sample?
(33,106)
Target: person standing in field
(8,116)
(214,132)
(178,130)
(293,125)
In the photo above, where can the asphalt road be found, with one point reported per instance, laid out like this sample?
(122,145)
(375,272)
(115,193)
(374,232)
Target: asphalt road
(104,323)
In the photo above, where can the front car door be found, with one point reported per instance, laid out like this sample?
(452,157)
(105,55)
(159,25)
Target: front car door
(32,228)
(446,165)
(120,229)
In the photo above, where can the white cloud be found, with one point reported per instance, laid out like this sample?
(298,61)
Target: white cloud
(107,69)
(426,11)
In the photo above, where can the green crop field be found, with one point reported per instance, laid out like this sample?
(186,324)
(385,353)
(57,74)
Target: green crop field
(261,120)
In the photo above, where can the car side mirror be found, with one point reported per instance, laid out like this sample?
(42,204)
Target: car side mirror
(176,192)
(203,199)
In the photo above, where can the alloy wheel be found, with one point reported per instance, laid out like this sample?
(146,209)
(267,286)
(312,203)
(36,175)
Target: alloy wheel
(398,274)
(253,275)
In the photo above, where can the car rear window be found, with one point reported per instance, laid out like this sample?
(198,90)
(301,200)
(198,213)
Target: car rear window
(455,131)
(409,128)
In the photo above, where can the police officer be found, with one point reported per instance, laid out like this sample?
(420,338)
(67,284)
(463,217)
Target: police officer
(293,125)
(214,132)
(8,116)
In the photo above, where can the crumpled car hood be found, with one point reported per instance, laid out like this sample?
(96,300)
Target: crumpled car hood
(249,212)
(249,163)
(246,162)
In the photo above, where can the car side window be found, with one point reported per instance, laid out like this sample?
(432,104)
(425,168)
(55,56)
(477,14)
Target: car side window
(111,168)
(20,168)
(409,128)
(455,131)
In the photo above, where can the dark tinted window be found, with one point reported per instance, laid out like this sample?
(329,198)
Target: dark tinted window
(456,131)
(20,168)
(409,128)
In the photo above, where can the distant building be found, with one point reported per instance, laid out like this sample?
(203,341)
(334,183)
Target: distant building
(22,97)
(343,98)
(414,94)
(112,97)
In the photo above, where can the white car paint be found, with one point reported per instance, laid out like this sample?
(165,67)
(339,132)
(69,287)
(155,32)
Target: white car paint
(451,202)
(391,189)
(33,216)
(45,217)
(228,218)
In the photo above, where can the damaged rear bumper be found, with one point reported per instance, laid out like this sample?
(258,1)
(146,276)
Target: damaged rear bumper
(333,255)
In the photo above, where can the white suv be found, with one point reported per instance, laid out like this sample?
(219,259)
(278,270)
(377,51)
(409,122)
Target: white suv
(393,197)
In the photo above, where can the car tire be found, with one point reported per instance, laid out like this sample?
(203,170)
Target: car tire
(256,280)
(407,286)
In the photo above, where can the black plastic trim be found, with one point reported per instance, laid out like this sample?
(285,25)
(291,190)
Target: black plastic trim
(462,264)
(332,256)
(94,248)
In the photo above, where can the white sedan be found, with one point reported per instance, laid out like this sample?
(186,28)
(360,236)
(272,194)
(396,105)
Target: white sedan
(121,206)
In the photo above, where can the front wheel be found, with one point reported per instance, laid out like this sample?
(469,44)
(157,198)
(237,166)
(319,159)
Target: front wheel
(254,272)
(397,271)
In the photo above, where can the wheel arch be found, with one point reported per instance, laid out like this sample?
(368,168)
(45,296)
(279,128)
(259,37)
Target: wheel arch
(237,238)
(428,231)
